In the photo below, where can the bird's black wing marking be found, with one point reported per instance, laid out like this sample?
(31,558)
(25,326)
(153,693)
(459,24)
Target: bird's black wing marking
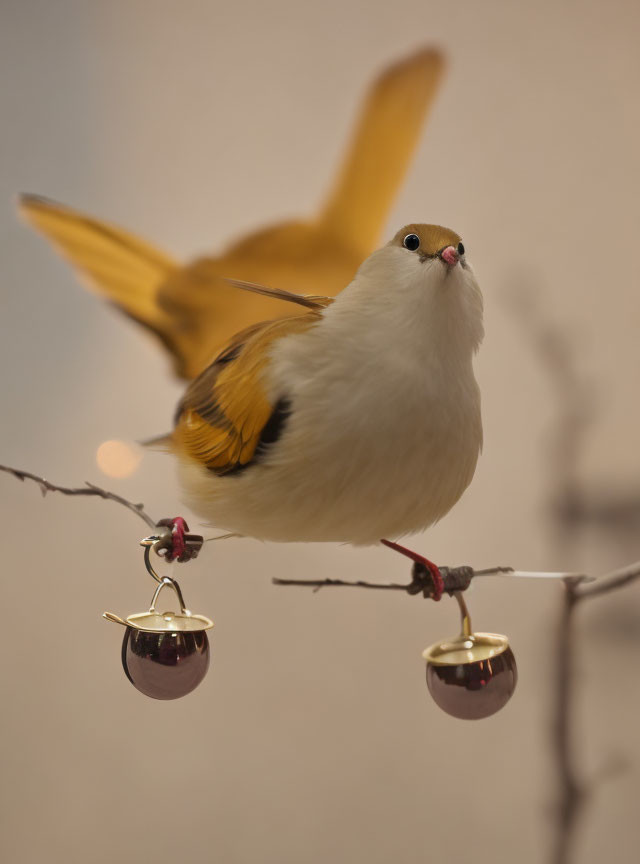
(271,432)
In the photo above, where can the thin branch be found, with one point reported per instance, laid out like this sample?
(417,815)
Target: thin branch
(572,792)
(317,584)
(454,578)
(610,582)
(572,507)
(89,489)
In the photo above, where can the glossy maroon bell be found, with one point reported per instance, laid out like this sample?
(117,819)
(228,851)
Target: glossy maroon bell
(471,677)
(165,665)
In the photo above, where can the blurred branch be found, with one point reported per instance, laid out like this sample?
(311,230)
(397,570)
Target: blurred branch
(572,507)
(551,347)
(610,582)
(617,511)
(89,489)
(574,791)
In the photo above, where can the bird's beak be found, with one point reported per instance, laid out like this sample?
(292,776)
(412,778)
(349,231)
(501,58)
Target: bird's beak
(449,255)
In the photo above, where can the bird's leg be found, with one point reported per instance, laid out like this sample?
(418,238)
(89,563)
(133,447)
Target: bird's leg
(420,563)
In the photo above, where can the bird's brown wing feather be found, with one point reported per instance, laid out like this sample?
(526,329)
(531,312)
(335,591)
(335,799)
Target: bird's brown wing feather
(309,301)
(223,414)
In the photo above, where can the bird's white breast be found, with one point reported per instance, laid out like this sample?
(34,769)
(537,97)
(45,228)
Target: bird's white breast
(383,436)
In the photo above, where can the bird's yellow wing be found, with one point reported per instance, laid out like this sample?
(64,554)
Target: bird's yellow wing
(193,309)
(132,274)
(225,418)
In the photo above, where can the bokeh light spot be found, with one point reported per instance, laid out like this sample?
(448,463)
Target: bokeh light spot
(118,459)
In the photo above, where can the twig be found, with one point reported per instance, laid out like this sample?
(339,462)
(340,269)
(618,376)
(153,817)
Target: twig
(90,489)
(317,584)
(572,792)
(455,579)
(610,582)
(570,508)
(579,586)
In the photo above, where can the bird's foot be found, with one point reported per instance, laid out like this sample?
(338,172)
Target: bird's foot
(179,545)
(427,578)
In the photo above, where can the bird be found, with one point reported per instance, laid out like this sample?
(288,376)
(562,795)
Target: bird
(347,413)
(191,309)
(356,421)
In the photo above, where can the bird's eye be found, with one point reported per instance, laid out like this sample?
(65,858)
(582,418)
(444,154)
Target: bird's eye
(411,242)
(460,249)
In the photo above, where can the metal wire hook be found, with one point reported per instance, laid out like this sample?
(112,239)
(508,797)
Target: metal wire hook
(155,542)
(464,615)
(168,581)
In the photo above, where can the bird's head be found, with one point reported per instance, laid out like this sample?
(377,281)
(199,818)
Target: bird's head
(431,243)
(423,275)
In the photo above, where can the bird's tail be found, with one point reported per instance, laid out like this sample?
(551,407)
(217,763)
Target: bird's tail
(382,146)
(116,264)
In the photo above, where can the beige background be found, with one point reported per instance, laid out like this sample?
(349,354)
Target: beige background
(313,738)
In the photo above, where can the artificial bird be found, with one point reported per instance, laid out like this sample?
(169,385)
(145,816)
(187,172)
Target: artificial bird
(354,422)
(350,419)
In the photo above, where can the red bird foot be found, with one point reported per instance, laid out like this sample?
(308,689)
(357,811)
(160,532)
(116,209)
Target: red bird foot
(421,566)
(180,546)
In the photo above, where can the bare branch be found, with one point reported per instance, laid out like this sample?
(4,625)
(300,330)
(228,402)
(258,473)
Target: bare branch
(572,792)
(317,584)
(454,578)
(611,582)
(572,507)
(89,489)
